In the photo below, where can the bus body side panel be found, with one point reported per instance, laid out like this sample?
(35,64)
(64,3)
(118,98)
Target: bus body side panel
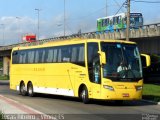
(59,78)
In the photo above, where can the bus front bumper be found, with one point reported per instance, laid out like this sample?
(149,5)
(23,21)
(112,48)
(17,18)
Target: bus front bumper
(121,94)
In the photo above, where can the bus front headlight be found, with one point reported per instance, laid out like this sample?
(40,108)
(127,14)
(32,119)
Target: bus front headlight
(108,87)
(138,88)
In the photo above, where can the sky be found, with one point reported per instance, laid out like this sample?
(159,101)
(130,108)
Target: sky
(19,17)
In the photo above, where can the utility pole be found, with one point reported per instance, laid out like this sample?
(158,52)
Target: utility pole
(106,9)
(128,21)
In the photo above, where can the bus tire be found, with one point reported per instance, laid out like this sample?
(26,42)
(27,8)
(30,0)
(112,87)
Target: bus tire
(84,95)
(22,89)
(30,89)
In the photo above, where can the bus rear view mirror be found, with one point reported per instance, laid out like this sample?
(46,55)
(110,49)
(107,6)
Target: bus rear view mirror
(146,60)
(103,57)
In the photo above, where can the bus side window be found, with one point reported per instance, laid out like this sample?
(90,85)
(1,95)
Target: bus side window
(119,20)
(59,55)
(77,54)
(103,22)
(23,57)
(123,20)
(31,56)
(55,55)
(36,56)
(97,24)
(66,54)
(49,55)
(41,55)
(93,63)
(15,57)
(111,22)
(115,20)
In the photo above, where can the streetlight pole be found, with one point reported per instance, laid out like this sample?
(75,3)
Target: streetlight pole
(18,19)
(64,18)
(128,20)
(38,10)
(2,33)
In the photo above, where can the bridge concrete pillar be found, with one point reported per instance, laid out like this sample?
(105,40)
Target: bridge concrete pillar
(6,65)
(117,35)
(145,32)
(93,36)
(97,36)
(86,36)
(112,35)
(123,34)
(141,32)
(132,33)
(137,33)
(108,37)
(102,36)
(157,30)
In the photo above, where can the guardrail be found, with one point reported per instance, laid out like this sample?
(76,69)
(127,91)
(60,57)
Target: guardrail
(149,30)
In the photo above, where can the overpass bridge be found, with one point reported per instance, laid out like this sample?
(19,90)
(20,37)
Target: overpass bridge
(147,38)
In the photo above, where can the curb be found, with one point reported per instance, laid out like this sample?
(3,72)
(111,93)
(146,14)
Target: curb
(157,103)
(24,112)
(5,82)
(19,106)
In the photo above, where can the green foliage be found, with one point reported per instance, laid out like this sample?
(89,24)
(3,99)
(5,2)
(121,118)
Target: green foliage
(1,64)
(151,92)
(1,116)
(4,77)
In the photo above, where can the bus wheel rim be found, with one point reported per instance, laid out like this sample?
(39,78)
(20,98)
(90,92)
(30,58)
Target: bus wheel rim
(22,88)
(30,90)
(83,94)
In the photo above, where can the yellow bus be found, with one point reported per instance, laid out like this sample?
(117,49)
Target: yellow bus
(84,68)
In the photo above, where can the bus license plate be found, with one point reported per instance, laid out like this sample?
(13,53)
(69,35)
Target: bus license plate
(125,94)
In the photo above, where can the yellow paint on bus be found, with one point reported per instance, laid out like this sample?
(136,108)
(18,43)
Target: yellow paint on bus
(78,68)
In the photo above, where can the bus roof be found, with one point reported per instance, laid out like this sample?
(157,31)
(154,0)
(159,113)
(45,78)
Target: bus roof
(71,41)
(121,14)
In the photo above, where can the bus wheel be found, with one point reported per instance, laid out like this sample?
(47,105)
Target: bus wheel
(30,90)
(22,89)
(84,95)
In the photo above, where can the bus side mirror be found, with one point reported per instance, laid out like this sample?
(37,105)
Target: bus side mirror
(146,60)
(103,57)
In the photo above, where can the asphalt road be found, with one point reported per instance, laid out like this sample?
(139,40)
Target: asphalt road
(51,104)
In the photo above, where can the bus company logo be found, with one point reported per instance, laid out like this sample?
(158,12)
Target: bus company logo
(149,117)
(39,69)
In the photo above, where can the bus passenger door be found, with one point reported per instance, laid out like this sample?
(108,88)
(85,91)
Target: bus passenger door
(94,69)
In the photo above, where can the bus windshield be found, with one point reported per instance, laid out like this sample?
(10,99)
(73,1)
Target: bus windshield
(123,62)
(136,22)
